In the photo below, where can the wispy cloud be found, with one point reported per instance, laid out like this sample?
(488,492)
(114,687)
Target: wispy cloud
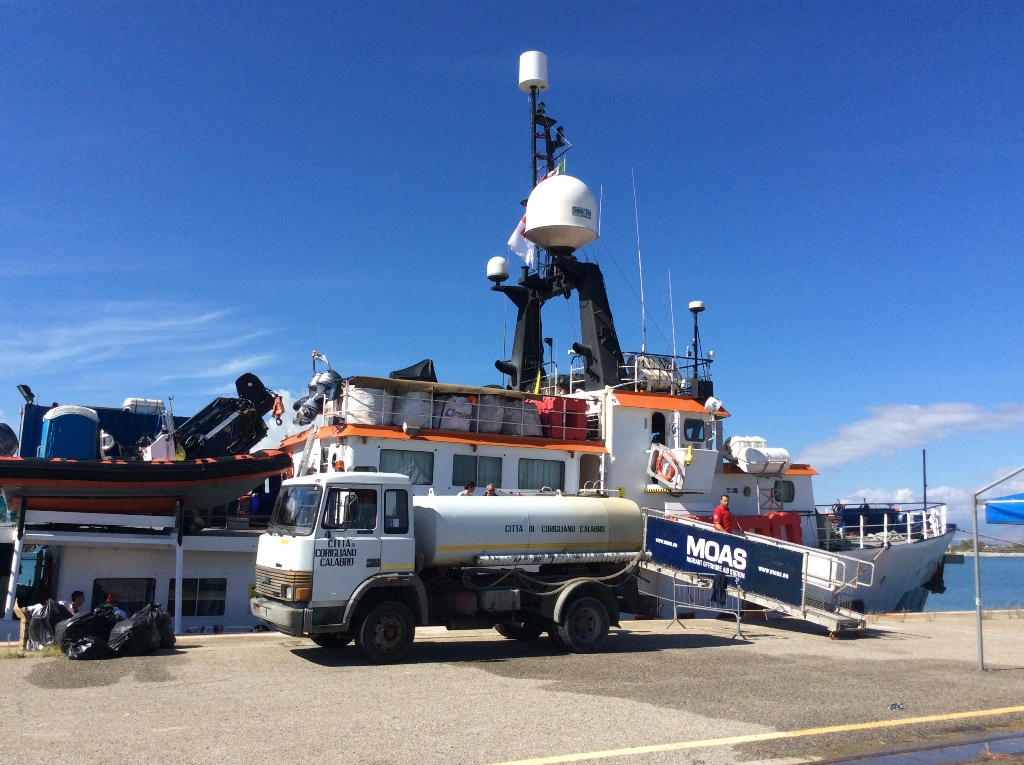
(889,429)
(230,368)
(100,352)
(97,335)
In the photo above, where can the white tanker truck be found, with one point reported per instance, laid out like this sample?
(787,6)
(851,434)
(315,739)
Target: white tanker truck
(354,556)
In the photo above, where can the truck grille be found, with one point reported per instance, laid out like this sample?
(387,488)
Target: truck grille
(276,583)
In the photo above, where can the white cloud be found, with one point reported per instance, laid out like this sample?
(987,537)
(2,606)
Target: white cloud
(889,429)
(111,331)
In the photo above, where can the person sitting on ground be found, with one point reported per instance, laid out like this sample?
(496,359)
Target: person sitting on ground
(75,604)
(118,611)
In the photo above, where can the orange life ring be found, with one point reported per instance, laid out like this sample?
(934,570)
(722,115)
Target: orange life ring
(665,467)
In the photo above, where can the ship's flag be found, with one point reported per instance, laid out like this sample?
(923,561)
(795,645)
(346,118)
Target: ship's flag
(522,246)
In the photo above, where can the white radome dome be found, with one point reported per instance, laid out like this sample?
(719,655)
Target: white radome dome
(497,269)
(561,212)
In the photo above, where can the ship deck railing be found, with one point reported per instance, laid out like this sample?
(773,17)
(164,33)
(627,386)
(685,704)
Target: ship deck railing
(648,372)
(878,524)
(484,419)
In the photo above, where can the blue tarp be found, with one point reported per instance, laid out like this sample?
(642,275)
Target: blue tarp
(1005,509)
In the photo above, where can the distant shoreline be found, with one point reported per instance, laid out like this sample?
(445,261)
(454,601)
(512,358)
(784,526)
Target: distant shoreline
(986,554)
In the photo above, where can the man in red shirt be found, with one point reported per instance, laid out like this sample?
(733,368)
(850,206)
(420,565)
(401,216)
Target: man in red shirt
(723,519)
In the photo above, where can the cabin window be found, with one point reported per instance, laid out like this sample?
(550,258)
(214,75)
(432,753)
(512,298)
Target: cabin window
(348,509)
(541,474)
(396,511)
(658,428)
(784,491)
(199,597)
(132,594)
(479,470)
(419,466)
(693,429)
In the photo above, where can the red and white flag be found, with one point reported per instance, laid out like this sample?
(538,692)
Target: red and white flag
(522,246)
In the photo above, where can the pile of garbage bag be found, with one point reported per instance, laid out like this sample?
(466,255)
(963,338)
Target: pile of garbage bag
(100,633)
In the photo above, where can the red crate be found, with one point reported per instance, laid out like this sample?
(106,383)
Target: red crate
(564,418)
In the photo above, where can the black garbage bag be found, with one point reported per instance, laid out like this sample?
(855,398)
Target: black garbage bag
(94,624)
(89,648)
(43,626)
(136,635)
(165,626)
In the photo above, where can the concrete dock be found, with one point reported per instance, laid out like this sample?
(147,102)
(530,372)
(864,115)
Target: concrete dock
(659,693)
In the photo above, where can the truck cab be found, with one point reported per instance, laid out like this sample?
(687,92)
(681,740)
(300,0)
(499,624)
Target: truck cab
(336,546)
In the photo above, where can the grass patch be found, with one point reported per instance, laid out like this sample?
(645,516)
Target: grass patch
(12,654)
(988,614)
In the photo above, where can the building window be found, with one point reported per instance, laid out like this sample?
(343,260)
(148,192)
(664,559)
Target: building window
(541,474)
(784,491)
(479,470)
(132,594)
(199,597)
(658,428)
(419,466)
(693,429)
(396,511)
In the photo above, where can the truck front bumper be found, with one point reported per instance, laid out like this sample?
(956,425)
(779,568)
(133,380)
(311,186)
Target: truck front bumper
(286,617)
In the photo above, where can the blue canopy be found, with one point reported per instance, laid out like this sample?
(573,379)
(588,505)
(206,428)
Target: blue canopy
(1005,509)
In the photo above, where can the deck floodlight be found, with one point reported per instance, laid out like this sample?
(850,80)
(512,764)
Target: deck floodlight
(27,393)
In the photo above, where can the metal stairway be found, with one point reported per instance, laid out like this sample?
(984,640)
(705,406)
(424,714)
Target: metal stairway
(802,582)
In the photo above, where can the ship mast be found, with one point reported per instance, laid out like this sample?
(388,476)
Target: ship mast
(558,272)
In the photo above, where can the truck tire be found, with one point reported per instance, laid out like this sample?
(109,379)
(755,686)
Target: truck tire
(331,639)
(585,627)
(556,639)
(530,628)
(386,632)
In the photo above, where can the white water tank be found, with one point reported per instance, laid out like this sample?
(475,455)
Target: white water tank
(561,212)
(453,531)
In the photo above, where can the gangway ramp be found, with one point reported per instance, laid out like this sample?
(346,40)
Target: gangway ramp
(802,582)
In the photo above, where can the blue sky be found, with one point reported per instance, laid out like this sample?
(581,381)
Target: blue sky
(191,191)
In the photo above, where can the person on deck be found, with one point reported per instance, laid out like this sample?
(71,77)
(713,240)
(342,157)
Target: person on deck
(467,490)
(724,520)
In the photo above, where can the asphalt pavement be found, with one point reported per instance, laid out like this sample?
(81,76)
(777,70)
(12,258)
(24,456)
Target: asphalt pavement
(660,692)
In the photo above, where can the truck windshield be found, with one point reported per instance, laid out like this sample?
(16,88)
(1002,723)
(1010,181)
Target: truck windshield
(295,510)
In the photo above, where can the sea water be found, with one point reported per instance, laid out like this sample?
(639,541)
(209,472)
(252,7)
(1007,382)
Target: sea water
(1002,585)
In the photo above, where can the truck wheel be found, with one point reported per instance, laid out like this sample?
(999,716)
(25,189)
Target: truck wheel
(331,639)
(556,639)
(586,626)
(528,629)
(386,633)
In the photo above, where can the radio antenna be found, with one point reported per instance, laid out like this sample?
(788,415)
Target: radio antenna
(640,260)
(672,313)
